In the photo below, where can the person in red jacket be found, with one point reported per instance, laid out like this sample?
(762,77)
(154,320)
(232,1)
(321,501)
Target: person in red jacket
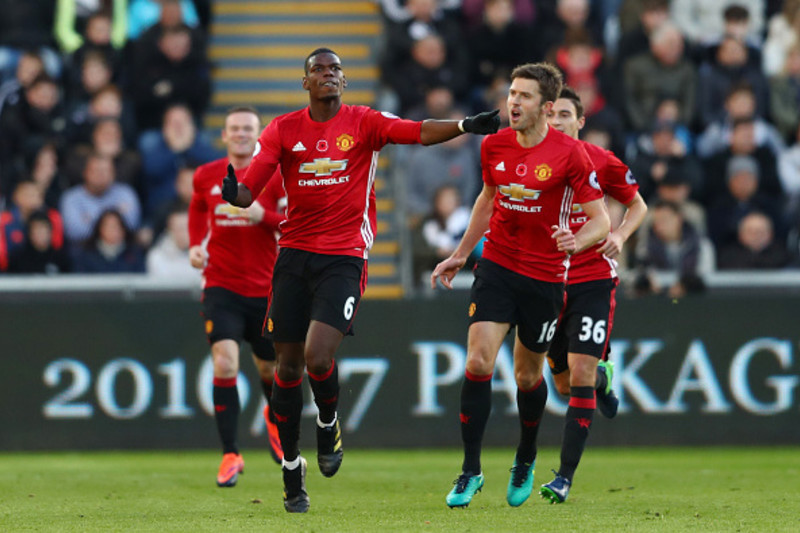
(236,248)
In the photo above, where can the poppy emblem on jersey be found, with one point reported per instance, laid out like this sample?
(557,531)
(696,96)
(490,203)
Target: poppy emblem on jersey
(472,309)
(522,169)
(543,172)
(344,142)
(209,327)
(323,166)
(322,145)
(270,325)
(517,192)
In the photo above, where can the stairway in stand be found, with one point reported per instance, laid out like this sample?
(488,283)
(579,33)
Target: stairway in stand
(257,49)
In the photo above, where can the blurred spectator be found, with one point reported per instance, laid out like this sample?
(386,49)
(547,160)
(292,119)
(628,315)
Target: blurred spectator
(742,197)
(663,72)
(755,248)
(106,140)
(742,143)
(667,110)
(438,104)
(729,68)
(81,205)
(110,248)
(101,22)
(582,64)
(474,12)
(740,105)
(737,26)
(169,257)
(30,123)
(26,200)
(399,11)
(175,70)
(164,151)
(563,17)
(95,75)
(676,187)
(659,153)
(674,245)
(143,14)
(426,19)
(784,28)
(45,172)
(441,230)
(632,42)
(703,21)
(455,163)
(155,224)
(29,67)
(789,174)
(429,67)
(498,44)
(785,94)
(27,25)
(107,103)
(603,118)
(38,255)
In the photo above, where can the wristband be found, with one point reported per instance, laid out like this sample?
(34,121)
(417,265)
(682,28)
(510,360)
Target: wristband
(461,126)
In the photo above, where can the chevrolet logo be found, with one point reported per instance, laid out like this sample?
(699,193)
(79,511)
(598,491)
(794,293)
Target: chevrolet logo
(323,166)
(518,192)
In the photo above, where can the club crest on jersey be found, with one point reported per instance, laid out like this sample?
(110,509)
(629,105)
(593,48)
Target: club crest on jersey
(517,192)
(209,327)
(344,142)
(323,166)
(472,308)
(543,172)
(522,169)
(322,145)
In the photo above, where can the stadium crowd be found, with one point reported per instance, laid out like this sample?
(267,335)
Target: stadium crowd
(101,102)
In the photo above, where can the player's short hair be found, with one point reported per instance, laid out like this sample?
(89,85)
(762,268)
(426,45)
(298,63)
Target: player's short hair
(548,76)
(317,52)
(568,93)
(243,109)
(655,5)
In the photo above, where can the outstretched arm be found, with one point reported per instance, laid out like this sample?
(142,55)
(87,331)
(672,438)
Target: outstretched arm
(437,131)
(478,224)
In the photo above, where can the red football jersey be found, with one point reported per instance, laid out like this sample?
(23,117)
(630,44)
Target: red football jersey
(536,188)
(241,254)
(616,181)
(328,173)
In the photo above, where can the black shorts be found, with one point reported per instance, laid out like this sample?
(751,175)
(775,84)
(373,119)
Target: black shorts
(229,315)
(501,295)
(585,323)
(308,286)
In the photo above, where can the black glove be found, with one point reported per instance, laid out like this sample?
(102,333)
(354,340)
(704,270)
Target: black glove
(482,123)
(230,186)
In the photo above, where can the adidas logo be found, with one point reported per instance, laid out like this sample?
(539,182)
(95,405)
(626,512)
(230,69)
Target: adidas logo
(501,166)
(216,190)
(299,147)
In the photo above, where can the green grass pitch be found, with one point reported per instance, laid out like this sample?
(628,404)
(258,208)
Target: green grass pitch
(615,489)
